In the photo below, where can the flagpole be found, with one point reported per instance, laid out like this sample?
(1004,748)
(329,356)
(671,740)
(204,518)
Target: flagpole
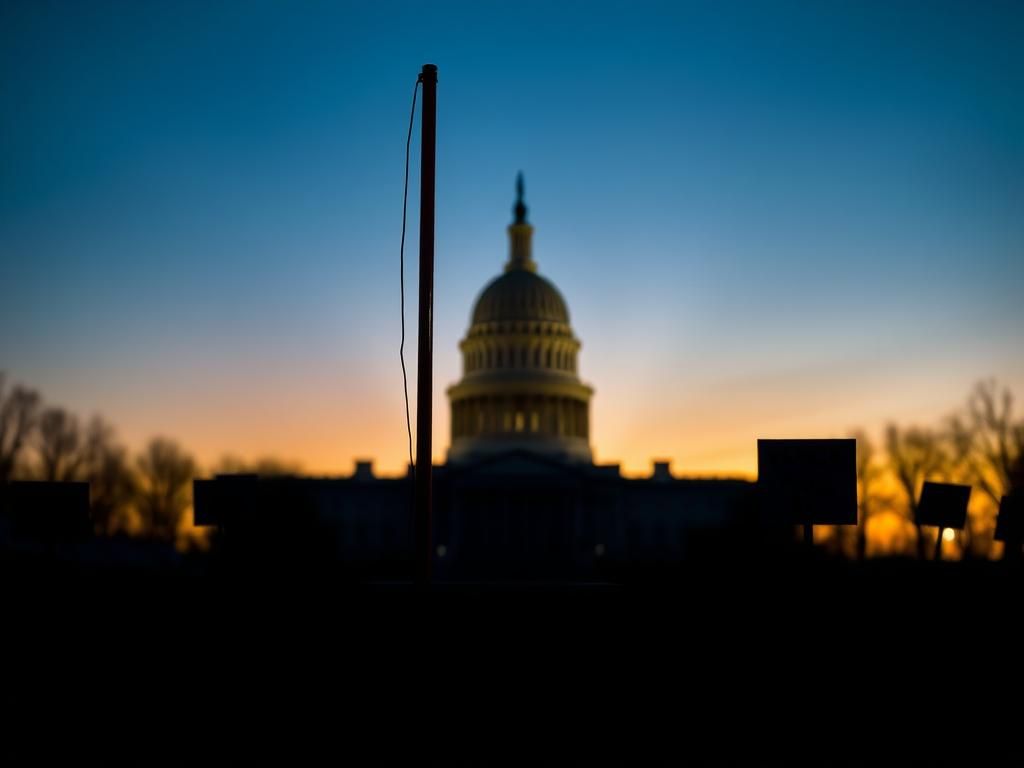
(424,378)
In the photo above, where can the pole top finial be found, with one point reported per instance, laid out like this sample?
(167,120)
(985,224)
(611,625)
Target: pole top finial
(520,207)
(520,234)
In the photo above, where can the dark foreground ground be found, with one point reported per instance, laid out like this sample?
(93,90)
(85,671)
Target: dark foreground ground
(804,658)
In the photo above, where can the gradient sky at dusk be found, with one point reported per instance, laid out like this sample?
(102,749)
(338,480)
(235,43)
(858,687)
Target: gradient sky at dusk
(769,219)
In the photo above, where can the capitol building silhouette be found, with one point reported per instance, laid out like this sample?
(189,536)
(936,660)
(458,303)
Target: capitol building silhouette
(519,497)
(520,388)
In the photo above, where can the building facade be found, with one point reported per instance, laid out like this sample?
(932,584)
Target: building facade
(520,496)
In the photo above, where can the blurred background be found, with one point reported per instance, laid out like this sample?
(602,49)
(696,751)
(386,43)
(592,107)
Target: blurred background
(769,220)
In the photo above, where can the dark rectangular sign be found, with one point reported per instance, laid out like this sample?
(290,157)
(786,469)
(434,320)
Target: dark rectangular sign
(223,499)
(808,481)
(1010,522)
(943,505)
(47,509)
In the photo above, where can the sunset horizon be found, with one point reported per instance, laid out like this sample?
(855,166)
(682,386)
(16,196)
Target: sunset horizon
(206,247)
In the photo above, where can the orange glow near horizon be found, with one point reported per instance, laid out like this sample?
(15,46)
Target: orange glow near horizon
(327,422)
(325,417)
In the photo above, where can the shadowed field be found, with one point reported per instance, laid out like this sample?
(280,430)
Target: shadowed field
(894,658)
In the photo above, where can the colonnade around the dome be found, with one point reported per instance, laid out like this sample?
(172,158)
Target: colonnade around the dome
(544,353)
(537,415)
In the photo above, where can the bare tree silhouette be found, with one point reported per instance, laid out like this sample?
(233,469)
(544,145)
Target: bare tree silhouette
(18,418)
(1017,475)
(59,441)
(266,466)
(165,487)
(112,484)
(987,441)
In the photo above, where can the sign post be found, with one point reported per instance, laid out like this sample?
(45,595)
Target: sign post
(943,505)
(808,482)
(1010,525)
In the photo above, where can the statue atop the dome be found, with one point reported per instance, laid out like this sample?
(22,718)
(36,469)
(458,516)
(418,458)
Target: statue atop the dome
(520,207)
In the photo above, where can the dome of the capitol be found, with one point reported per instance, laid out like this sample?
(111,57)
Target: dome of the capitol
(520,295)
(520,389)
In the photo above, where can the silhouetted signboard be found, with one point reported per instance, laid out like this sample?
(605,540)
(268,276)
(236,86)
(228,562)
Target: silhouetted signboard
(808,482)
(253,501)
(943,505)
(224,499)
(47,511)
(203,504)
(1010,522)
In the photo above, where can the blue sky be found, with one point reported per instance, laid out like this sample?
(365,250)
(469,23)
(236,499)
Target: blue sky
(767,218)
